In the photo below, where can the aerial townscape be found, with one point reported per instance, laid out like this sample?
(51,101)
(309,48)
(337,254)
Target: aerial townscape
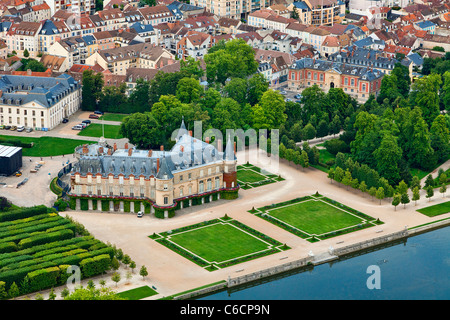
(174,150)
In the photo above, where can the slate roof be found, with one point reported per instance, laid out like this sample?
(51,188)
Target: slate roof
(45,91)
(188,152)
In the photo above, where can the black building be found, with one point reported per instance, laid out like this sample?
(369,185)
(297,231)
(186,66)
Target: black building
(10,160)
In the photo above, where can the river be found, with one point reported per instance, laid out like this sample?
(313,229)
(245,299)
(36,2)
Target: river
(416,268)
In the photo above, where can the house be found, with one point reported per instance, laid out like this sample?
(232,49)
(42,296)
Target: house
(194,44)
(119,60)
(358,81)
(23,36)
(38,102)
(54,63)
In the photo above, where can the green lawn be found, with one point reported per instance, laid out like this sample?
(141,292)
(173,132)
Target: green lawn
(95,130)
(48,146)
(138,293)
(113,116)
(315,217)
(436,210)
(219,242)
(249,176)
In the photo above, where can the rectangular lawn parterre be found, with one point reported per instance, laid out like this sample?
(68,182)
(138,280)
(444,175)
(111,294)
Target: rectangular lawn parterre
(315,217)
(219,243)
(249,176)
(436,210)
(95,130)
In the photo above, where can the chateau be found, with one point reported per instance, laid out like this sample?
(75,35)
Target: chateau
(157,181)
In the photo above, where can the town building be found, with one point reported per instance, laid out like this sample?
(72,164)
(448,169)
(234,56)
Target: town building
(357,81)
(38,102)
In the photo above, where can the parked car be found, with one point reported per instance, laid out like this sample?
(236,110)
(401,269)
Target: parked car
(298,101)
(65,120)
(93,116)
(7,127)
(86,121)
(77,127)
(140,214)
(298,96)
(288,99)
(283,92)
(2,127)
(29,130)
(20,128)
(98,112)
(13,128)
(84,125)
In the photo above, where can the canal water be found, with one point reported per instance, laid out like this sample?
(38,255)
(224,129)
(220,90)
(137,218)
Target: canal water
(416,268)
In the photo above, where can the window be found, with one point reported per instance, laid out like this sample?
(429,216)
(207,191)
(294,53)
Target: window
(166,200)
(216,183)
(209,185)
(165,188)
(201,187)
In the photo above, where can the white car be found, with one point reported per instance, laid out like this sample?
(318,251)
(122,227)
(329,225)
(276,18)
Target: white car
(140,214)
(20,128)
(77,127)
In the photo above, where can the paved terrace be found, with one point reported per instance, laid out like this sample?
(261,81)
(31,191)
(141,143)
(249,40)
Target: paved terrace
(170,273)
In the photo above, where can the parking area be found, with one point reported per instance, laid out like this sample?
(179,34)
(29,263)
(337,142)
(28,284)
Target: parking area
(35,190)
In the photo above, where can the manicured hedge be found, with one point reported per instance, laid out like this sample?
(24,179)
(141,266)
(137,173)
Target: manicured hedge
(95,266)
(23,213)
(43,278)
(7,247)
(46,237)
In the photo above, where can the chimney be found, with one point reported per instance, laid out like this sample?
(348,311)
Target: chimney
(149,153)
(29,72)
(100,150)
(161,148)
(109,152)
(207,139)
(182,148)
(126,145)
(130,152)
(190,133)
(157,165)
(219,145)
(1,93)
(115,146)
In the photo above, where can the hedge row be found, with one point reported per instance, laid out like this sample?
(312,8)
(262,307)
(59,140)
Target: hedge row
(255,233)
(14,223)
(17,275)
(46,237)
(23,213)
(43,225)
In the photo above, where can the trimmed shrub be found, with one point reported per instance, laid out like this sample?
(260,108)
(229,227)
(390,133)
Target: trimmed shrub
(84,205)
(43,278)
(95,266)
(105,205)
(22,213)
(46,237)
(7,247)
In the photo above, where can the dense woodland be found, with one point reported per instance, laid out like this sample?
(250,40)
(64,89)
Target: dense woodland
(405,128)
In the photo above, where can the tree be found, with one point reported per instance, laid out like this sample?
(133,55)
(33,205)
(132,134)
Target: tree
(26,54)
(192,67)
(13,291)
(402,187)
(309,132)
(143,272)
(189,90)
(425,94)
(363,187)
(415,182)
(142,130)
(132,266)
(138,100)
(91,89)
(331,174)
(416,195)
(113,99)
(429,181)
(294,14)
(257,85)
(52,295)
(440,137)
(116,277)
(304,159)
(396,200)
(445,95)
(443,189)
(347,179)
(126,260)
(3,293)
(373,192)
(404,199)
(338,174)
(380,194)
(233,59)
(115,264)
(430,192)
(388,156)
(269,112)
(322,128)
(64,293)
